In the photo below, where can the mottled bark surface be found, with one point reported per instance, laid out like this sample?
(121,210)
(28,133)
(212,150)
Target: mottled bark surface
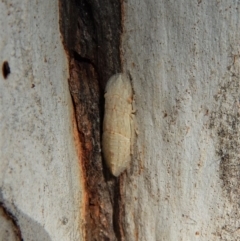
(40,179)
(183,181)
(184,59)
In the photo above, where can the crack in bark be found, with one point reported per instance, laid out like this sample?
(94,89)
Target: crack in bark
(13,220)
(91,36)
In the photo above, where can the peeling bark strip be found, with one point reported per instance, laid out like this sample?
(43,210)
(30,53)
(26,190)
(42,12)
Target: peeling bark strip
(91,32)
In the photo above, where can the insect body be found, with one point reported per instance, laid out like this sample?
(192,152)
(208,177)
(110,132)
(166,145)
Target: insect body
(117,124)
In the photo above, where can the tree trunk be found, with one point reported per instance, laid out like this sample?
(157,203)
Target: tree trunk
(183,59)
(183,183)
(41,185)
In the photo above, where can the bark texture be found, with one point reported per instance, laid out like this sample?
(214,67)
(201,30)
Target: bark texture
(183,57)
(40,178)
(184,61)
(9,230)
(91,36)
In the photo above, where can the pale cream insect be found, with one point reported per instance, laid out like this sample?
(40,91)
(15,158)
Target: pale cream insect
(117,124)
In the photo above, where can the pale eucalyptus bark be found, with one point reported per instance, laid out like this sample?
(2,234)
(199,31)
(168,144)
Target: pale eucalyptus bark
(183,181)
(184,60)
(39,173)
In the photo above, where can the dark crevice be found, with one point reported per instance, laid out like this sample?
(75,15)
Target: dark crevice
(11,218)
(81,59)
(119,210)
(91,32)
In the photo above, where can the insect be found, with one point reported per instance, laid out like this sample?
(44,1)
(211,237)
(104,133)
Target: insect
(118,123)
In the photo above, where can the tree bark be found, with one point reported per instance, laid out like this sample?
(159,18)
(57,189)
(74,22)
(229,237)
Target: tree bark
(183,59)
(41,183)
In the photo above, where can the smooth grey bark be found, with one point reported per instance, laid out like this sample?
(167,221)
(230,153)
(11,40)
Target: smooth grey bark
(183,57)
(39,174)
